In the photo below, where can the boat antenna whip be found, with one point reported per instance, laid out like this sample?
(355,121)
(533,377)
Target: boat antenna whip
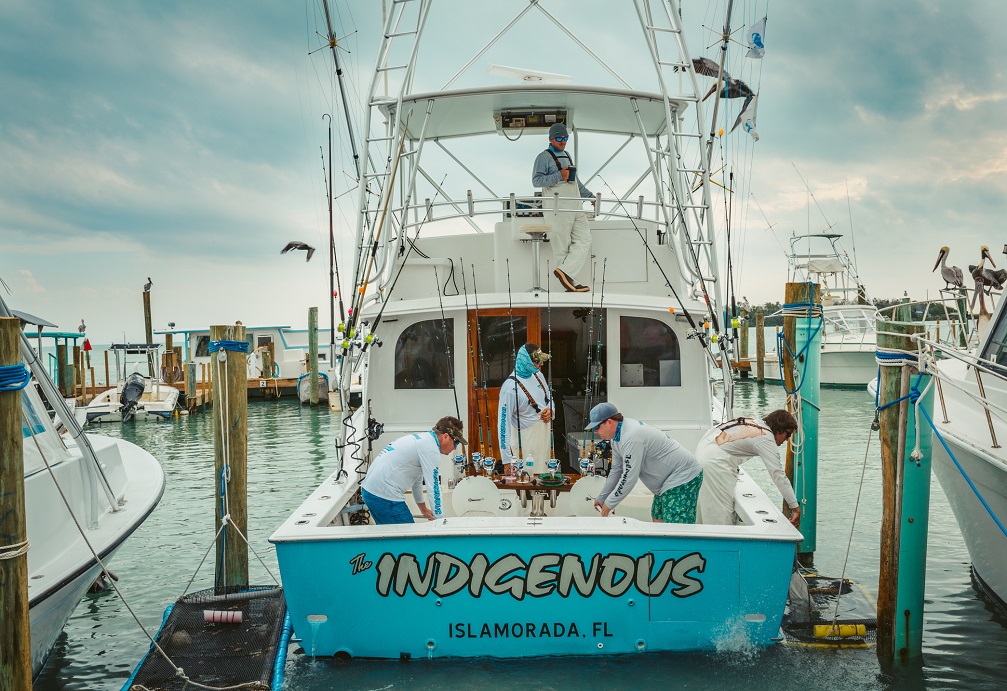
(334,279)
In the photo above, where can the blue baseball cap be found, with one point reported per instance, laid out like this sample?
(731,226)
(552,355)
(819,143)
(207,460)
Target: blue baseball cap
(600,413)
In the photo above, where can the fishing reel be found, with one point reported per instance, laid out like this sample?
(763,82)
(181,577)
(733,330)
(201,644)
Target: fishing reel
(374,429)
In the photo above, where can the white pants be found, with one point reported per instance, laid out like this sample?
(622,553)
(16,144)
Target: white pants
(720,479)
(570,236)
(534,445)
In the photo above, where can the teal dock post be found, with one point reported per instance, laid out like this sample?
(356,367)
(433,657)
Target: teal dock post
(905,479)
(802,329)
(15,653)
(313,355)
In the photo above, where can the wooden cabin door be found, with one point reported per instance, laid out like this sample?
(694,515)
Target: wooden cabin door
(491,349)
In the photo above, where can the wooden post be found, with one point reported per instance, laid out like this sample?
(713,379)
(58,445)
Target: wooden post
(15,653)
(190,385)
(61,381)
(176,361)
(78,372)
(760,346)
(169,363)
(94,390)
(804,336)
(148,330)
(108,380)
(267,361)
(905,483)
(313,355)
(230,451)
(745,328)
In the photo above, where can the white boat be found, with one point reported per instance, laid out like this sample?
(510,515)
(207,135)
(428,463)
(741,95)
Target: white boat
(111,485)
(970,415)
(849,329)
(136,396)
(458,282)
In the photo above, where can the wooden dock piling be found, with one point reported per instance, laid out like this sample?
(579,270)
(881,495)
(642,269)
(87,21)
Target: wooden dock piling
(760,347)
(15,653)
(313,355)
(230,447)
(148,329)
(905,500)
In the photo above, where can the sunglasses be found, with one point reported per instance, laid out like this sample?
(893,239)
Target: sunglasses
(560,139)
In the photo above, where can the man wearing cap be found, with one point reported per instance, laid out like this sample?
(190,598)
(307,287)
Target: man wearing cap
(725,447)
(406,463)
(645,453)
(524,414)
(555,173)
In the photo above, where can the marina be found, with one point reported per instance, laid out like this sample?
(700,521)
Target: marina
(506,451)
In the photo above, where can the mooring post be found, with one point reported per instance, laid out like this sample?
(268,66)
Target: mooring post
(169,360)
(148,330)
(760,346)
(802,330)
(230,451)
(905,482)
(78,371)
(15,653)
(313,355)
(61,382)
(746,326)
(108,379)
(267,361)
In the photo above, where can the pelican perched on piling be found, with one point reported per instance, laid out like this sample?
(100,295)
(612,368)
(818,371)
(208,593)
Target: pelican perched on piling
(952,275)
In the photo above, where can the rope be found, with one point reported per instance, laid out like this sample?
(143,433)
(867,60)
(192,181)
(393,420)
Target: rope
(965,475)
(14,377)
(810,310)
(14,551)
(236,346)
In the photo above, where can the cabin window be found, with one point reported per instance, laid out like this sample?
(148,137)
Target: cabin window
(203,346)
(996,349)
(262,341)
(421,355)
(648,353)
(31,423)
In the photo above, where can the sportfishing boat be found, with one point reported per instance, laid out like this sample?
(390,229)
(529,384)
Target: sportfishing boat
(76,485)
(453,275)
(135,397)
(971,465)
(849,335)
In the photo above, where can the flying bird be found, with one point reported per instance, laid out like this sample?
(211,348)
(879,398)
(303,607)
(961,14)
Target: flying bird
(82,328)
(147,285)
(295,245)
(952,275)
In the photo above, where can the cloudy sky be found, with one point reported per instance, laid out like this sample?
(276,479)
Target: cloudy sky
(181,141)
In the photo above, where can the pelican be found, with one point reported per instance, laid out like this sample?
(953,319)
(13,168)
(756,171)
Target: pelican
(148,285)
(295,245)
(82,328)
(952,275)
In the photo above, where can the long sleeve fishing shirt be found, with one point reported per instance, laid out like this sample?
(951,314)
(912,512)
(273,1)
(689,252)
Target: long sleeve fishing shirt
(645,453)
(407,463)
(515,409)
(745,441)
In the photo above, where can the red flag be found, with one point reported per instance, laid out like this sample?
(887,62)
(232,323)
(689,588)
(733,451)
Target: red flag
(87,345)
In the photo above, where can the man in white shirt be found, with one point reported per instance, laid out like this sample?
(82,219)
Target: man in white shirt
(407,463)
(725,447)
(525,410)
(645,453)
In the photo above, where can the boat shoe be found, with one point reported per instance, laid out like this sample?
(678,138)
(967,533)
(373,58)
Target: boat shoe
(568,283)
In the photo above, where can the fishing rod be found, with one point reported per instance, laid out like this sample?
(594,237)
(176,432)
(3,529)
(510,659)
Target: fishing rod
(334,278)
(596,367)
(513,346)
(447,345)
(472,358)
(358,299)
(699,334)
(391,288)
(482,359)
(589,367)
(551,393)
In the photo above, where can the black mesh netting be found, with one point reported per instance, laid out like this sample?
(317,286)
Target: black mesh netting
(214,653)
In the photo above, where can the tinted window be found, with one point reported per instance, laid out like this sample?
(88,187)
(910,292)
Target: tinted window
(648,353)
(421,355)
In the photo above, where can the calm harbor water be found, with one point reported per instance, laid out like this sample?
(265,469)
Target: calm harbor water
(291,450)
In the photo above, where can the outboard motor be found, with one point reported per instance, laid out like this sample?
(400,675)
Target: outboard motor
(132,391)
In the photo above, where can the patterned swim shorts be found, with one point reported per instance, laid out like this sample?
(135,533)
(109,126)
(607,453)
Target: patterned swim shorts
(678,504)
